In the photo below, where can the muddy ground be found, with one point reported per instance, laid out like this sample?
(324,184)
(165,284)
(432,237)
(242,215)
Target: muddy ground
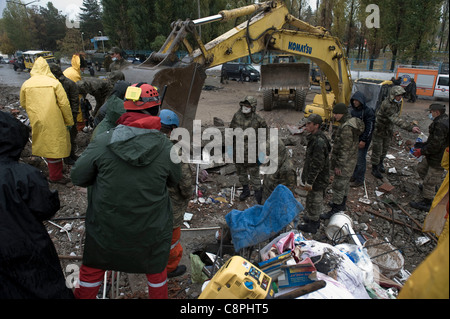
(220,101)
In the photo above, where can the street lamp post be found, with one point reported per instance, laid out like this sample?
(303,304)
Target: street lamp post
(103,43)
(82,40)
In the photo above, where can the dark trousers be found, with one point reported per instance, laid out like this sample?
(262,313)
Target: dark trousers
(360,169)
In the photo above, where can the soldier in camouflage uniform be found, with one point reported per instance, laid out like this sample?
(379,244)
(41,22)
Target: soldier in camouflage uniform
(386,117)
(316,173)
(179,196)
(72,94)
(430,169)
(344,156)
(246,118)
(118,62)
(285,173)
(100,89)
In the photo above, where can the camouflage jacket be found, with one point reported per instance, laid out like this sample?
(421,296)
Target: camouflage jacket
(437,141)
(181,194)
(345,147)
(316,169)
(387,116)
(285,173)
(243,121)
(118,65)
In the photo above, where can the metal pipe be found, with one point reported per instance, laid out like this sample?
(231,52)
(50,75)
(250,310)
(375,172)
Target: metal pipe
(209,19)
(226,15)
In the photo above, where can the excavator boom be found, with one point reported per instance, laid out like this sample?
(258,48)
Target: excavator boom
(263,31)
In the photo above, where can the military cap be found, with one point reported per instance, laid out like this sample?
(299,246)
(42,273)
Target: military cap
(436,107)
(398,90)
(314,118)
(340,108)
(249,100)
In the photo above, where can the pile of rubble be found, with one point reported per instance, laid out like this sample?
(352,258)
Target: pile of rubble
(379,215)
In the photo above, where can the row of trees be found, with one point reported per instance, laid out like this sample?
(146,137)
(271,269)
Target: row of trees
(411,29)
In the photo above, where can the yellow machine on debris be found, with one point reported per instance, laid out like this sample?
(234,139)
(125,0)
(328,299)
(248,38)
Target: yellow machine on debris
(269,27)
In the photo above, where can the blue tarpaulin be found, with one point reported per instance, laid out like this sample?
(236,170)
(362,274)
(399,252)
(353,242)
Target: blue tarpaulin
(260,222)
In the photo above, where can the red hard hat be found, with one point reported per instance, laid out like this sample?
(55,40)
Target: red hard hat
(149,98)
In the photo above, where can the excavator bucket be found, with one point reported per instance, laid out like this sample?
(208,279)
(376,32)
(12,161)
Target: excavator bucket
(285,76)
(183,82)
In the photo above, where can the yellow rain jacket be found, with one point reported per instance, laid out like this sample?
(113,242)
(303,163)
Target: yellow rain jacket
(45,101)
(74,73)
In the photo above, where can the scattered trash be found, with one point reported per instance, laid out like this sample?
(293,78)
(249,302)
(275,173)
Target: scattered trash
(392,170)
(385,256)
(422,240)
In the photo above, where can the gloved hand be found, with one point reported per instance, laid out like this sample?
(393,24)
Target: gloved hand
(417,152)
(307,187)
(69,127)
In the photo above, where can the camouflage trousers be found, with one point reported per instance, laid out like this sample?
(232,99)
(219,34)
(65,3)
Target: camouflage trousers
(244,170)
(380,146)
(431,177)
(340,187)
(314,204)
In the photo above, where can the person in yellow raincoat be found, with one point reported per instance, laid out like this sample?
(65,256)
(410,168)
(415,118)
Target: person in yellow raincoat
(45,101)
(431,279)
(74,73)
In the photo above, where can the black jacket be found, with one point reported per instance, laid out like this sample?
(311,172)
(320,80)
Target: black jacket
(29,264)
(364,113)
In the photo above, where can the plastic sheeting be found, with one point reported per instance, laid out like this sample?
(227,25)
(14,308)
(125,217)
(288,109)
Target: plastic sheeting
(260,222)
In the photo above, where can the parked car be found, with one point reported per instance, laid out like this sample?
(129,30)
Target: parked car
(233,70)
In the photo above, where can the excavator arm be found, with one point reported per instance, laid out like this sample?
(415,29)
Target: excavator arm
(265,30)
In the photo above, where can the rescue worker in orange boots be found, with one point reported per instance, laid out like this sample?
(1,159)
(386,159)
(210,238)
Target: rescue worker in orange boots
(246,118)
(47,106)
(129,216)
(179,196)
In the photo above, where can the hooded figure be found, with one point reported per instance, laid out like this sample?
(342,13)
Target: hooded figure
(29,264)
(74,73)
(45,101)
(129,217)
(360,110)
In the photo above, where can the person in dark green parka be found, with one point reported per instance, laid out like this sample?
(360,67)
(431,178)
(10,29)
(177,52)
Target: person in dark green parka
(129,216)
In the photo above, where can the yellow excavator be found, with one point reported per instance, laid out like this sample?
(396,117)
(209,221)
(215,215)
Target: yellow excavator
(269,27)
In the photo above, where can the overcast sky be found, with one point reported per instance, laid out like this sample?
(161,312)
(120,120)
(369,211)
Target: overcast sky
(71,7)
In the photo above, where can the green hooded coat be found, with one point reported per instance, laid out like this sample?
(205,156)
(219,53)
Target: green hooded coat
(129,215)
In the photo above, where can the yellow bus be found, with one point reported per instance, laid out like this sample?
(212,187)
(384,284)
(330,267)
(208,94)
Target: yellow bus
(30,56)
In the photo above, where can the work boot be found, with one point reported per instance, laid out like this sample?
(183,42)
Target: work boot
(381,167)
(245,192)
(334,209)
(376,172)
(258,196)
(423,205)
(180,270)
(309,227)
(356,184)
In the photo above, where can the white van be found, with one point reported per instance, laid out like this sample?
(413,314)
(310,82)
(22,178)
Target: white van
(441,87)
